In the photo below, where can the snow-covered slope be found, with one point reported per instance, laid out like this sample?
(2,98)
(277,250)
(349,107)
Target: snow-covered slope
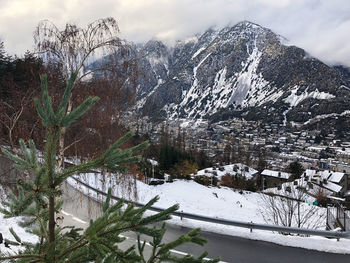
(214,202)
(193,198)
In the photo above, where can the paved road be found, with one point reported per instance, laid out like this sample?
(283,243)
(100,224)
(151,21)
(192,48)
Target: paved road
(230,249)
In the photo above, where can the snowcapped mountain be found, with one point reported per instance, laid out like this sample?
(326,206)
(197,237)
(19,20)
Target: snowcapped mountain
(244,70)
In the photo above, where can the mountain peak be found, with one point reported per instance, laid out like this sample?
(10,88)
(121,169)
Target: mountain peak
(242,70)
(246,23)
(156,48)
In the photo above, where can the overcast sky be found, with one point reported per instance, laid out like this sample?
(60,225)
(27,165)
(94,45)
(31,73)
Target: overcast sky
(321,27)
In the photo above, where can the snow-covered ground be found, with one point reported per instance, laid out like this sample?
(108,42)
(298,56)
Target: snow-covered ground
(5,225)
(213,202)
(197,199)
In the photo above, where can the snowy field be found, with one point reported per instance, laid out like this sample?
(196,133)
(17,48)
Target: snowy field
(213,202)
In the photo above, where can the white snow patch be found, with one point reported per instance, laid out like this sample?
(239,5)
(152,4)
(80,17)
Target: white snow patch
(6,223)
(157,60)
(293,99)
(193,92)
(153,162)
(325,116)
(198,52)
(141,102)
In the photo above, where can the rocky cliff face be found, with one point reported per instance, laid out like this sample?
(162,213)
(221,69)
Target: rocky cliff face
(245,70)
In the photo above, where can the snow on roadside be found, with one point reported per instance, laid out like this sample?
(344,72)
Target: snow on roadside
(197,199)
(191,197)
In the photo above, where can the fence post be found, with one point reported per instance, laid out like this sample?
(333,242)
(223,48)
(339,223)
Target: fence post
(338,214)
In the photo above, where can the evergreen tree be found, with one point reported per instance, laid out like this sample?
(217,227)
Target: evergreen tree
(262,165)
(5,62)
(2,51)
(227,154)
(296,169)
(38,200)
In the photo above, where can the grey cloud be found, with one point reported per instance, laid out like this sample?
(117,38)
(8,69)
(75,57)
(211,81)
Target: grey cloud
(321,27)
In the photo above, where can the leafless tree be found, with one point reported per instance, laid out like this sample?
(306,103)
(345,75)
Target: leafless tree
(74,48)
(10,120)
(289,209)
(10,115)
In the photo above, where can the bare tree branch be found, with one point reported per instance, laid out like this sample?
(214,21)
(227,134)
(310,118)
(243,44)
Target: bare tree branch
(289,209)
(73,47)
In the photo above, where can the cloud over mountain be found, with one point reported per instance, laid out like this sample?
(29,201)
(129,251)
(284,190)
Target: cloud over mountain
(319,26)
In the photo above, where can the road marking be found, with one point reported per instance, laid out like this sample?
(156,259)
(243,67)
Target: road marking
(183,253)
(79,220)
(73,217)
(65,213)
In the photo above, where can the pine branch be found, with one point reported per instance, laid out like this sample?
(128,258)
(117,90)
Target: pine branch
(67,93)
(46,100)
(79,111)
(41,112)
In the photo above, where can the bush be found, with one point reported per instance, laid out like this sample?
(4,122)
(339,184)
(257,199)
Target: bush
(206,180)
(183,169)
(238,182)
(321,197)
(156,182)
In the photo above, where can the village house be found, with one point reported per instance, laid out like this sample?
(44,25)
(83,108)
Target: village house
(272,178)
(336,182)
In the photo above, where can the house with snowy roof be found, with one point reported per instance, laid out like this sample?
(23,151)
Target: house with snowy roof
(238,169)
(272,178)
(336,182)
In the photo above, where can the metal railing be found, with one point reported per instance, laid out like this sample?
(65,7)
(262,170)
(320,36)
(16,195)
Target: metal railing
(236,223)
(343,218)
(331,218)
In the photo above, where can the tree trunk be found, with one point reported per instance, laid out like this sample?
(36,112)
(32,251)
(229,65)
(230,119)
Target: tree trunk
(61,148)
(51,150)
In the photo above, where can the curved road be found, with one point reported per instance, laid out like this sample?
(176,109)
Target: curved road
(79,209)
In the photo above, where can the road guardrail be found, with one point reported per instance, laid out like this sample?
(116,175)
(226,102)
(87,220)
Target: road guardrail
(236,223)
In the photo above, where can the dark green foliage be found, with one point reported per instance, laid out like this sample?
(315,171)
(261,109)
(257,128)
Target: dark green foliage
(38,200)
(171,152)
(169,156)
(201,159)
(296,169)
(17,74)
